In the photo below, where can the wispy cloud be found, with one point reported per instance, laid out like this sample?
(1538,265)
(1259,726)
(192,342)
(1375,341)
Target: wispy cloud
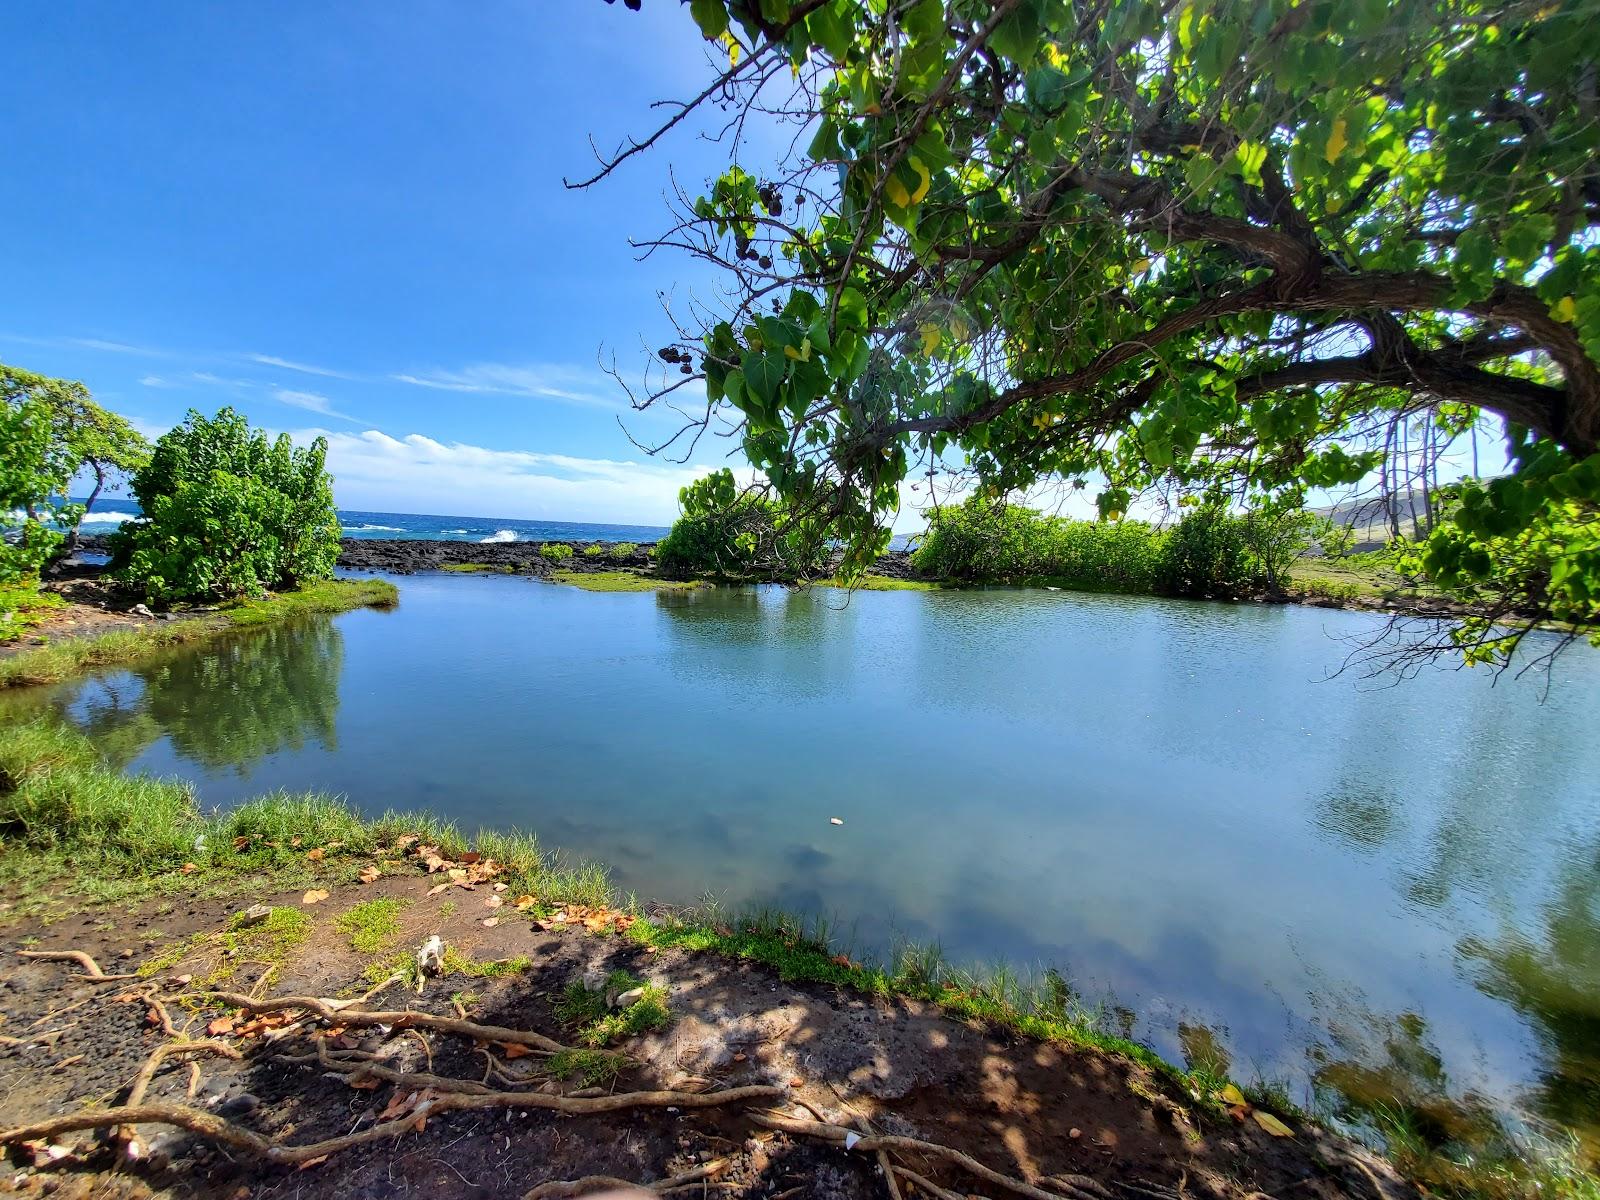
(416,473)
(310,401)
(272,360)
(552,381)
(86,343)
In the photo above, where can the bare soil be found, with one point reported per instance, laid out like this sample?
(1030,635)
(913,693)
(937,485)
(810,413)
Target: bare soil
(1026,1109)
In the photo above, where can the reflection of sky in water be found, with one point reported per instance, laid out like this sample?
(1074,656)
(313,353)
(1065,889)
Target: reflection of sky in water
(1169,801)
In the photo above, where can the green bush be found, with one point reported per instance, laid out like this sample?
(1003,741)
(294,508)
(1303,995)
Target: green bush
(228,513)
(625,549)
(594,551)
(1207,554)
(984,541)
(729,533)
(33,470)
(1332,589)
(555,551)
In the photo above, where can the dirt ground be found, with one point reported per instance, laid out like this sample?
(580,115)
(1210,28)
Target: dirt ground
(94,607)
(1028,1110)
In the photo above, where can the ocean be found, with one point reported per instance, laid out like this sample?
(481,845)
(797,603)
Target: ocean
(109,512)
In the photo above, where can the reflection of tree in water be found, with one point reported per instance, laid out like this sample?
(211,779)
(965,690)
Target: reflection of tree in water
(1401,1082)
(1555,983)
(1362,819)
(231,703)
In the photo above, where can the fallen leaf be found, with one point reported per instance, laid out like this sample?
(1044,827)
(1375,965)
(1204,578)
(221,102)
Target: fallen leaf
(369,874)
(365,1084)
(797,1082)
(1231,1095)
(457,874)
(316,855)
(294,843)
(188,869)
(437,888)
(1272,1125)
(500,887)
(471,856)
(219,1027)
(313,1162)
(239,843)
(740,1057)
(491,922)
(513,1049)
(314,896)
(525,902)
(493,902)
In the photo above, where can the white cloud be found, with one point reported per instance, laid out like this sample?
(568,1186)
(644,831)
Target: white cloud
(272,360)
(552,381)
(310,401)
(415,473)
(156,381)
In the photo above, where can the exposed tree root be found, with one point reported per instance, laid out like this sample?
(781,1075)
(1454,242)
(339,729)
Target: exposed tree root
(335,1012)
(91,969)
(141,1081)
(1075,1187)
(927,1185)
(236,1137)
(557,1189)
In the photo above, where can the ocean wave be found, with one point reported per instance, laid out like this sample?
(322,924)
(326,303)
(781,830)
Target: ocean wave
(500,535)
(455,531)
(373,529)
(109,518)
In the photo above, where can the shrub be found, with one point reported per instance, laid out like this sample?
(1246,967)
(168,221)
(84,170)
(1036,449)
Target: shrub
(1206,554)
(555,551)
(1277,533)
(228,513)
(731,533)
(983,541)
(594,551)
(625,549)
(33,469)
(1332,589)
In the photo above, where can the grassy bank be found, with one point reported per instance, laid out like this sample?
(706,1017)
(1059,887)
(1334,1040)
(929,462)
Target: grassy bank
(71,656)
(74,833)
(621,581)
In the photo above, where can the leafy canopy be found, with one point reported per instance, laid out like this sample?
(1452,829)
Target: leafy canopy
(37,462)
(1223,245)
(228,513)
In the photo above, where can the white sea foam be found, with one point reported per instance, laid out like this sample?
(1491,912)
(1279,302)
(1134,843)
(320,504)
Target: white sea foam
(455,531)
(500,535)
(373,529)
(109,518)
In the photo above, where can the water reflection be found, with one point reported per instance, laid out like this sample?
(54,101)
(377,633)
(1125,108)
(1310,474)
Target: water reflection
(258,693)
(1231,859)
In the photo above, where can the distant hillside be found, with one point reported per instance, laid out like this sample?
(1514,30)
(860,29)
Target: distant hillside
(1370,519)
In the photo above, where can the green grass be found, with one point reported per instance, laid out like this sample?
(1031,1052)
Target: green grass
(470,568)
(23,607)
(883,583)
(370,925)
(73,656)
(597,1025)
(457,963)
(620,581)
(591,1068)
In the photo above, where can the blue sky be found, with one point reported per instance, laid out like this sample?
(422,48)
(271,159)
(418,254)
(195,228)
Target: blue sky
(351,219)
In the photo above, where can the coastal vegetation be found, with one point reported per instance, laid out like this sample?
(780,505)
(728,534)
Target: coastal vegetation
(728,532)
(227,513)
(50,432)
(1197,250)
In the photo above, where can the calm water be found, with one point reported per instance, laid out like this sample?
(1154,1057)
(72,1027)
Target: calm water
(1364,888)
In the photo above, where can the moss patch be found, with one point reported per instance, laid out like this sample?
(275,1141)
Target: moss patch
(370,925)
(473,568)
(621,581)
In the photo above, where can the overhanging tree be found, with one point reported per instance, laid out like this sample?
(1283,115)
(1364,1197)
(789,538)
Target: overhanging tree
(1226,245)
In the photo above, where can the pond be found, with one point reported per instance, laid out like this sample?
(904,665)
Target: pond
(1362,889)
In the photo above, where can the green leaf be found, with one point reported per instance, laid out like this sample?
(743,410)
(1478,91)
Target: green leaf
(711,16)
